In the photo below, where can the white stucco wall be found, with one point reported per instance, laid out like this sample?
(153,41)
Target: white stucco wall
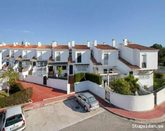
(57,84)
(17,53)
(112,55)
(45,54)
(132,103)
(152,59)
(88,85)
(161,96)
(5,52)
(127,54)
(146,80)
(85,56)
(29,53)
(54,83)
(64,54)
(124,69)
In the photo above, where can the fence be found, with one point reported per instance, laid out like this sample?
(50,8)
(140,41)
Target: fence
(127,102)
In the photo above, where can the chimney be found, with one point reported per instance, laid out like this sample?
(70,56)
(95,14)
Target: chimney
(125,42)
(14,44)
(88,44)
(54,44)
(69,44)
(26,43)
(39,44)
(3,43)
(95,42)
(113,43)
(73,43)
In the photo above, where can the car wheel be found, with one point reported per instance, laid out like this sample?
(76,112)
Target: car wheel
(86,109)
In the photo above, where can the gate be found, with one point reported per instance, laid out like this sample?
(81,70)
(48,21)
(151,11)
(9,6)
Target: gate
(107,94)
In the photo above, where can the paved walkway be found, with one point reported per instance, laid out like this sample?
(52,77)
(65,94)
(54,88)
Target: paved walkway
(156,113)
(42,92)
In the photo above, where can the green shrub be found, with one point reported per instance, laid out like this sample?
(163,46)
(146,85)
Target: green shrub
(79,77)
(20,97)
(15,88)
(126,86)
(88,76)
(94,78)
(158,75)
(121,86)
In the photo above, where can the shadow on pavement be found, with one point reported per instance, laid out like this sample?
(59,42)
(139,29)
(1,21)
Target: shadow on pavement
(74,105)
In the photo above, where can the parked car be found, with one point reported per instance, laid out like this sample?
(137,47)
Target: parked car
(87,100)
(13,119)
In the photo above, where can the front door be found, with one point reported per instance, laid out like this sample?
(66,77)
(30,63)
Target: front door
(70,69)
(44,80)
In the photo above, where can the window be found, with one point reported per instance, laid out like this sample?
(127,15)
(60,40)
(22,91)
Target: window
(105,71)
(58,58)
(105,59)
(78,57)
(144,59)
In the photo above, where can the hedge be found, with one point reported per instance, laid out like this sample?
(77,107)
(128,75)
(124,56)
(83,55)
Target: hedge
(88,76)
(20,97)
(15,88)
(79,77)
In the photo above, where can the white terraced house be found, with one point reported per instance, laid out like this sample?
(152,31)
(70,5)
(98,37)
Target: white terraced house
(110,61)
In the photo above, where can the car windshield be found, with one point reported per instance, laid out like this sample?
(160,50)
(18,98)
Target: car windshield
(91,99)
(13,119)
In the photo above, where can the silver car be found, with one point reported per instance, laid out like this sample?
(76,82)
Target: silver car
(13,119)
(87,100)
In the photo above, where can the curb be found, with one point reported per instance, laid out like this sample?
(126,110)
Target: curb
(46,102)
(146,121)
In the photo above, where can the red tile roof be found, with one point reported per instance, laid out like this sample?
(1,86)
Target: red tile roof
(105,47)
(61,47)
(26,47)
(129,64)
(139,47)
(84,47)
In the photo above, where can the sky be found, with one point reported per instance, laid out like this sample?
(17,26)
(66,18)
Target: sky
(140,21)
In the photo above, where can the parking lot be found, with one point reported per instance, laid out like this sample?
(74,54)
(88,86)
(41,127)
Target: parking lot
(57,116)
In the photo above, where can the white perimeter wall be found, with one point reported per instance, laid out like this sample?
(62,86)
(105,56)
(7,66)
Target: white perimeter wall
(132,103)
(127,102)
(94,88)
(161,96)
(54,83)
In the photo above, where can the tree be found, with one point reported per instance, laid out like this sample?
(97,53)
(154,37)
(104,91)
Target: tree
(134,86)
(120,86)
(126,86)
(60,71)
(11,75)
(156,46)
(161,54)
